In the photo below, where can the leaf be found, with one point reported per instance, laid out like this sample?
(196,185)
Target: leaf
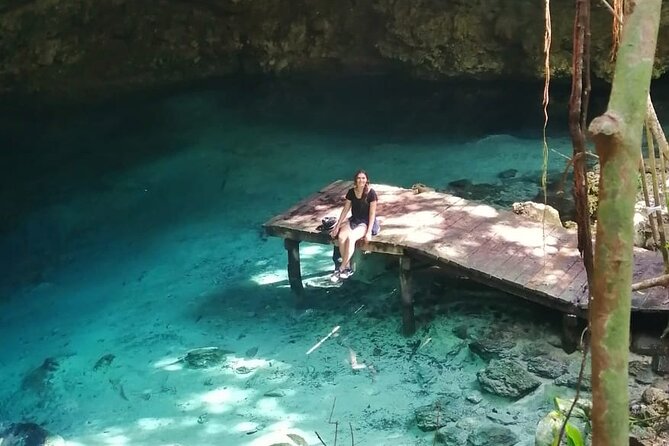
(299,441)
(574,436)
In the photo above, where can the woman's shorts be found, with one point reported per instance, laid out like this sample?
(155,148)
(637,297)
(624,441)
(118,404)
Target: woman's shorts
(376,227)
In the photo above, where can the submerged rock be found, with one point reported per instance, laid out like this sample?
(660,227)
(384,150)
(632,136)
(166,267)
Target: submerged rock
(434,416)
(461,331)
(489,435)
(499,194)
(571,380)
(450,434)
(503,418)
(547,367)
(508,173)
(205,357)
(475,191)
(28,434)
(506,377)
(643,436)
(428,419)
(491,347)
(641,371)
(474,397)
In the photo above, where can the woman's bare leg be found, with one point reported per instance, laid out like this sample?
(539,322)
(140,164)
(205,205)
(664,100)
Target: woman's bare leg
(353,236)
(344,231)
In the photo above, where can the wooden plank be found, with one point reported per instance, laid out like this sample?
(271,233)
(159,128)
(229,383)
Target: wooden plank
(519,260)
(305,236)
(502,254)
(551,277)
(557,280)
(649,264)
(492,245)
(552,258)
(301,203)
(307,215)
(475,215)
(450,247)
(517,290)
(522,266)
(651,300)
(503,249)
(483,254)
(538,254)
(475,247)
(455,213)
(575,277)
(576,286)
(542,254)
(327,204)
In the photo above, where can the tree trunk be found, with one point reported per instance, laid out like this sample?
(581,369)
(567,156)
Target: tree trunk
(617,135)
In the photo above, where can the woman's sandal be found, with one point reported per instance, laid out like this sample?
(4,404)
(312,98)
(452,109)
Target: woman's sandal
(334,278)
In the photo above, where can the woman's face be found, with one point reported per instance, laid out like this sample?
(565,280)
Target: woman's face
(360,180)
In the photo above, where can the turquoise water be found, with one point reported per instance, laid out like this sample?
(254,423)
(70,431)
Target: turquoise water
(132,231)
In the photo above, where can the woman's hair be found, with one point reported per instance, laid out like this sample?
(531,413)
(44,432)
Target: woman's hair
(365,191)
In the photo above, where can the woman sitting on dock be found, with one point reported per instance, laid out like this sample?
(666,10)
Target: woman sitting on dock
(361,200)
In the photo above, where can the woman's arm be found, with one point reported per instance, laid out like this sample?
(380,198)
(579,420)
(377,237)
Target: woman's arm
(342,216)
(372,217)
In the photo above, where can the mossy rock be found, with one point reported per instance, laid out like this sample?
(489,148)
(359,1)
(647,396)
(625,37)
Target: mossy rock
(204,357)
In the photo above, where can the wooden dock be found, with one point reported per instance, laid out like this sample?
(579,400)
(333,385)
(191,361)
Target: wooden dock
(495,247)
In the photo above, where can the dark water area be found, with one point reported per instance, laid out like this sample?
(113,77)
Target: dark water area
(42,137)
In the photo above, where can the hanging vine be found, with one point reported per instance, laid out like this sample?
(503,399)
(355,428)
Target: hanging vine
(546,98)
(617,26)
(578,102)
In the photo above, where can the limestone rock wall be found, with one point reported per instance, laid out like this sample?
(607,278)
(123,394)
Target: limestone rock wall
(91,45)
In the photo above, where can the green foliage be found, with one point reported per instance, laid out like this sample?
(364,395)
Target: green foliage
(574,436)
(575,432)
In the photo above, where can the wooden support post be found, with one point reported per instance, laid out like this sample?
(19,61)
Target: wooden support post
(660,361)
(648,344)
(294,273)
(408,321)
(571,334)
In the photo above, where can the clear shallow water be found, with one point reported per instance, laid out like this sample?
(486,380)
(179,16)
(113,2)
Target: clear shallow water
(133,226)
